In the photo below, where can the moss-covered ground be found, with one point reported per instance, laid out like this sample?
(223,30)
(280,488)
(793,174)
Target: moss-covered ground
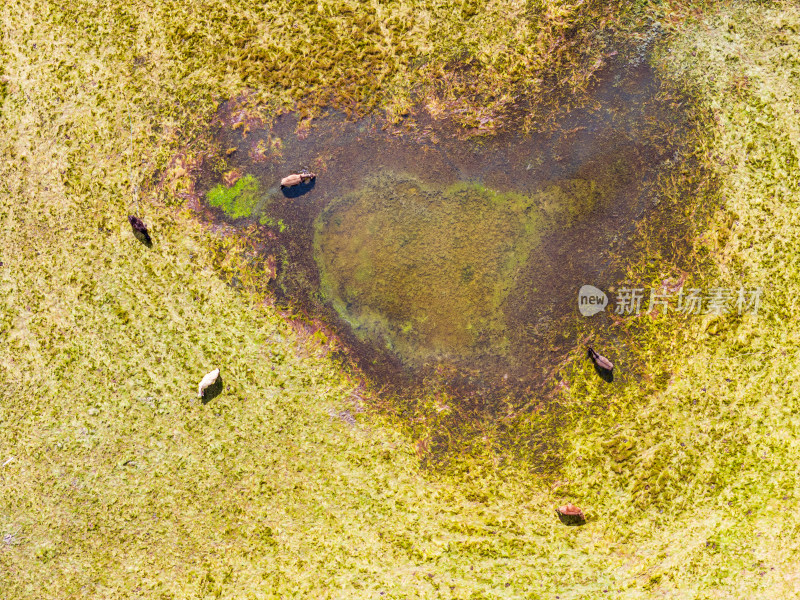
(236,201)
(117,483)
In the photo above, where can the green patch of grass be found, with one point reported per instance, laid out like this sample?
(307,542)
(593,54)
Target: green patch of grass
(237,201)
(267,220)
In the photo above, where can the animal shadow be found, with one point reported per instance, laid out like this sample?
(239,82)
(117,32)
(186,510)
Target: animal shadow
(298,190)
(143,237)
(571,520)
(213,390)
(605,374)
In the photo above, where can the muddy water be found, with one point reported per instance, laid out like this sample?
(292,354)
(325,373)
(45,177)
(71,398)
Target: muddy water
(456,261)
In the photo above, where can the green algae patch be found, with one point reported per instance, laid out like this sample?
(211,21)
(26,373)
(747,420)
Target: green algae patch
(425,271)
(243,199)
(271,222)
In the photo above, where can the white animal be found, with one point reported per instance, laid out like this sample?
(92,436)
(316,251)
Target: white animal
(207,381)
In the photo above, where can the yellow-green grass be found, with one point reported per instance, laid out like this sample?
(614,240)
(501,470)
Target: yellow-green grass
(118,483)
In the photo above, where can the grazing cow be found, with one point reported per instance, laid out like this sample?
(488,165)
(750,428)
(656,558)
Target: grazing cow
(139,229)
(601,361)
(297,178)
(207,381)
(571,514)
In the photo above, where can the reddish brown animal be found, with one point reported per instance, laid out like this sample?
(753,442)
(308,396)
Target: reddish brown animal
(297,179)
(570,514)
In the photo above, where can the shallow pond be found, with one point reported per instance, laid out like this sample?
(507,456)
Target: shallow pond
(438,257)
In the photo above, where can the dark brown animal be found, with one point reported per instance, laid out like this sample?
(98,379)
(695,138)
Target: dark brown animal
(601,361)
(139,229)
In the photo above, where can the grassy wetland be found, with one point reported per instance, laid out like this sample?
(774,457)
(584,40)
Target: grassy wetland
(307,476)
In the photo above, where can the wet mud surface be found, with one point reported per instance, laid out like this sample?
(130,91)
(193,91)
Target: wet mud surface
(447,262)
